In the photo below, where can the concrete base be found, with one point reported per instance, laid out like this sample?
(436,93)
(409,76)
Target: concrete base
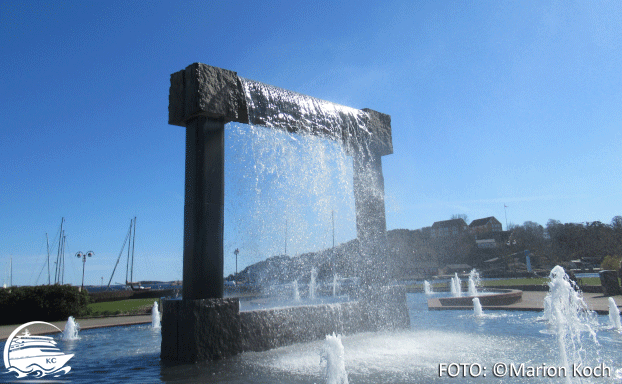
(212,329)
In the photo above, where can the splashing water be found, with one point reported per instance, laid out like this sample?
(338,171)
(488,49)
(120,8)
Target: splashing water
(614,314)
(312,284)
(547,309)
(455,286)
(477,307)
(335,283)
(155,316)
(296,292)
(285,183)
(333,355)
(289,185)
(427,288)
(569,317)
(474,281)
(71,329)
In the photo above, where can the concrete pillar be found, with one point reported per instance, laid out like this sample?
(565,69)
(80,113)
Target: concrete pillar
(371,224)
(204,209)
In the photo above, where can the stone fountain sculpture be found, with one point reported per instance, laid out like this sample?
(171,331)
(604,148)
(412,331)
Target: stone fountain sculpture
(203,99)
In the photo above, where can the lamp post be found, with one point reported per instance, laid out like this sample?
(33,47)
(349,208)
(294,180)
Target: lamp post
(236,262)
(84,256)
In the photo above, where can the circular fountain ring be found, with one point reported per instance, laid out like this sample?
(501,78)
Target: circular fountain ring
(501,297)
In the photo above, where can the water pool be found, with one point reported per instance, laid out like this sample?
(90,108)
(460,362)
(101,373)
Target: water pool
(131,354)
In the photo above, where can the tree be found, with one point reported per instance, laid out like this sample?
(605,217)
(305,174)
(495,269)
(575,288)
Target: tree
(616,226)
(462,216)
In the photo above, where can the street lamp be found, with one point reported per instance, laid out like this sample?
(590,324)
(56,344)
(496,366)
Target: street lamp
(83,256)
(236,262)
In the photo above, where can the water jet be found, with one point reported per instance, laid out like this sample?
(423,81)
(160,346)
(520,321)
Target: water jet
(427,288)
(455,286)
(333,356)
(474,281)
(296,292)
(312,286)
(614,314)
(477,307)
(155,316)
(71,329)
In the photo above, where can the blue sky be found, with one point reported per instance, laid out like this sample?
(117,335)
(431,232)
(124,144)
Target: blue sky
(492,103)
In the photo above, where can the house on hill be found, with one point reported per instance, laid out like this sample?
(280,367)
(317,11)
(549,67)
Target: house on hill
(485,225)
(448,228)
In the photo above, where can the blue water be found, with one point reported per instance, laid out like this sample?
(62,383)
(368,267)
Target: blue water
(131,354)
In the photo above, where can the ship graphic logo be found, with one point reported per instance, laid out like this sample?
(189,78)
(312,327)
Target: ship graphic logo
(36,356)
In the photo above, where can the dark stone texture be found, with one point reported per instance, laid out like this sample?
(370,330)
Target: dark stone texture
(610,283)
(203,90)
(198,330)
(379,137)
(204,209)
(212,329)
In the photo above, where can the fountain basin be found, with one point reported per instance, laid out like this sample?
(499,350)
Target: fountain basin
(213,329)
(498,298)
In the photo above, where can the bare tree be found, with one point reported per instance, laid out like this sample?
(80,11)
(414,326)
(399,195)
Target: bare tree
(462,216)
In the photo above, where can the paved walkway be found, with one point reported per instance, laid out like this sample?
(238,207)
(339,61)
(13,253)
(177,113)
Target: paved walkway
(114,321)
(534,301)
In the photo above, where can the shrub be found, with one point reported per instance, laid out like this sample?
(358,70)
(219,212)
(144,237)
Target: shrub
(610,263)
(43,303)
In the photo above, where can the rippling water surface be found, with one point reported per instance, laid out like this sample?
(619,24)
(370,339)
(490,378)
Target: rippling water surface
(131,354)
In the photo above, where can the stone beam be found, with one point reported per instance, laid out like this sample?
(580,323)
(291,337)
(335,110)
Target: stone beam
(203,90)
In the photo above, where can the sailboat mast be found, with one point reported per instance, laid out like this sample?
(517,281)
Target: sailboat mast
(119,258)
(127,264)
(47,241)
(58,253)
(133,245)
(62,276)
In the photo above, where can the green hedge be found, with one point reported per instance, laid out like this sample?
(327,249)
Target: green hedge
(20,305)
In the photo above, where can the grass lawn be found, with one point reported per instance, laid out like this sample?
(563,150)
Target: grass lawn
(130,306)
(524,281)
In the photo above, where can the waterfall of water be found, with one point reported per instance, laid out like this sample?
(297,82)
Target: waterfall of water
(155,316)
(427,288)
(333,355)
(335,282)
(614,314)
(296,292)
(312,284)
(71,329)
